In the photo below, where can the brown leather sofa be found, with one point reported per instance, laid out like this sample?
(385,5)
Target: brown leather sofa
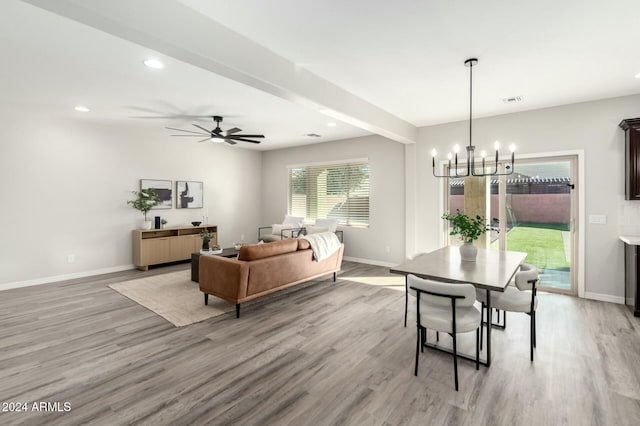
(262,269)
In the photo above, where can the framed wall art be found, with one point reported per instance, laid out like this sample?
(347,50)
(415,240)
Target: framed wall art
(188,194)
(163,189)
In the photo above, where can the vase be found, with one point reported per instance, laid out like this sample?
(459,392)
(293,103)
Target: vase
(468,252)
(145,224)
(205,245)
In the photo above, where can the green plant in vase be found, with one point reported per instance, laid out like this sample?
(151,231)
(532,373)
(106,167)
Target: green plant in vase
(469,229)
(145,200)
(206,238)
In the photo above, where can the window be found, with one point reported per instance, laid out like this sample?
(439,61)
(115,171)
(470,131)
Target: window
(338,190)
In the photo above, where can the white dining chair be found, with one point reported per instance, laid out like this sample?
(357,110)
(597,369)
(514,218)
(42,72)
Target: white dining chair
(522,299)
(448,308)
(408,292)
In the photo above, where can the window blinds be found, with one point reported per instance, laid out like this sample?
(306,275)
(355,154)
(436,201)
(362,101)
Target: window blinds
(334,191)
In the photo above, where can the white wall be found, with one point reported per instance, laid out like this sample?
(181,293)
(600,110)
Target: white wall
(387,199)
(66,182)
(590,126)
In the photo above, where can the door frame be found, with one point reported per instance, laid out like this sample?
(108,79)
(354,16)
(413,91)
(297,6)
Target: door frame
(579,229)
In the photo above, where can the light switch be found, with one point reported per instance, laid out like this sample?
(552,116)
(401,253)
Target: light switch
(598,219)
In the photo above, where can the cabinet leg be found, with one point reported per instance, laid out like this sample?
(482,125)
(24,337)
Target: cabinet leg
(206,298)
(237,310)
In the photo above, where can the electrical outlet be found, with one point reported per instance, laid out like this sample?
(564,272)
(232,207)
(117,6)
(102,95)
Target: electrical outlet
(71,258)
(598,219)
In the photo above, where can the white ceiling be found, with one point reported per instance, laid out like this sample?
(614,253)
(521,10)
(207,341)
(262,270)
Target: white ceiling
(398,64)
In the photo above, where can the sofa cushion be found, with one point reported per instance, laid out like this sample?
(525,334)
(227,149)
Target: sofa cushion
(260,251)
(303,244)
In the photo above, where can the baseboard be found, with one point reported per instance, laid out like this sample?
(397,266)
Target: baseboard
(65,277)
(604,297)
(369,261)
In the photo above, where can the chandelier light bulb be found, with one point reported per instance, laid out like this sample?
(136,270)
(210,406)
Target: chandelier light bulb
(456,148)
(433,152)
(496,145)
(483,153)
(512,147)
(449,156)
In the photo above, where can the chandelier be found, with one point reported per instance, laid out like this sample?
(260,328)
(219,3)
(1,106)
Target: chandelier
(458,170)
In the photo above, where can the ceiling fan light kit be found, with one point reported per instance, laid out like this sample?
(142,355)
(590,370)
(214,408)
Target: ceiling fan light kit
(230,136)
(471,162)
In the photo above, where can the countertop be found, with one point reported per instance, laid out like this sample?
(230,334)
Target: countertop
(633,240)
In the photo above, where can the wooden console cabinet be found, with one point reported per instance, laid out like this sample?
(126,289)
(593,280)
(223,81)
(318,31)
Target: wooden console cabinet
(631,127)
(156,246)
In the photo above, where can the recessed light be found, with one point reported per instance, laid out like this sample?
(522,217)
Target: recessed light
(153,63)
(331,124)
(638,75)
(82,108)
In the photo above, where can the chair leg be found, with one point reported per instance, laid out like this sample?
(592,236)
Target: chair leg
(418,345)
(237,310)
(533,318)
(437,336)
(531,332)
(206,298)
(478,347)
(481,320)
(455,361)
(406,299)
(423,336)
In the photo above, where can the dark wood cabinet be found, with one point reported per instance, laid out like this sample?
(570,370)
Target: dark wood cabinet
(631,283)
(631,127)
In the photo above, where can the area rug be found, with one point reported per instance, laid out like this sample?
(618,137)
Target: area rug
(174,297)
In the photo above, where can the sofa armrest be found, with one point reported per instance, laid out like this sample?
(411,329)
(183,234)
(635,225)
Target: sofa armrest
(223,277)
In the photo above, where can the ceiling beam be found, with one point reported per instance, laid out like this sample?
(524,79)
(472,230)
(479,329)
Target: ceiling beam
(175,30)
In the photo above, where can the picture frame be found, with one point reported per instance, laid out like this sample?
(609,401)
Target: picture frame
(189,194)
(162,188)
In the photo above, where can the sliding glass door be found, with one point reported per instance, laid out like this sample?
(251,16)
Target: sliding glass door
(533,211)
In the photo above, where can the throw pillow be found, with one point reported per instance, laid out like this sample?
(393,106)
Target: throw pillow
(276,229)
(332,224)
(316,229)
(294,221)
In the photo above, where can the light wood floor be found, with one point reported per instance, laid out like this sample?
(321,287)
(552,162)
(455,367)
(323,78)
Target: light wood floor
(325,354)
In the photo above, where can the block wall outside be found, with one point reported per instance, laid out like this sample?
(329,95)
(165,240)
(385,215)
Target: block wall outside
(529,208)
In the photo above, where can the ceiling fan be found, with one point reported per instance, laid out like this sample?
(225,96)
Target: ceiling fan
(229,136)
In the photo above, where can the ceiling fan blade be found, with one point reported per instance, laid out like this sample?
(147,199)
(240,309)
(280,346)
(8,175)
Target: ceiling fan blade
(230,142)
(202,128)
(248,136)
(199,135)
(245,140)
(232,131)
(182,130)
(204,140)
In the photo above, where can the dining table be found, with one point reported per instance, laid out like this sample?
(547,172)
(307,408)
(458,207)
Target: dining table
(492,271)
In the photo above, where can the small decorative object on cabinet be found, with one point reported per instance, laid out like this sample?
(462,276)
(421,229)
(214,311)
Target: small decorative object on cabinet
(631,127)
(156,246)
(469,230)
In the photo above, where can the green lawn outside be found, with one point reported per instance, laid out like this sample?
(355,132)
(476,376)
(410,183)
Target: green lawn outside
(542,242)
